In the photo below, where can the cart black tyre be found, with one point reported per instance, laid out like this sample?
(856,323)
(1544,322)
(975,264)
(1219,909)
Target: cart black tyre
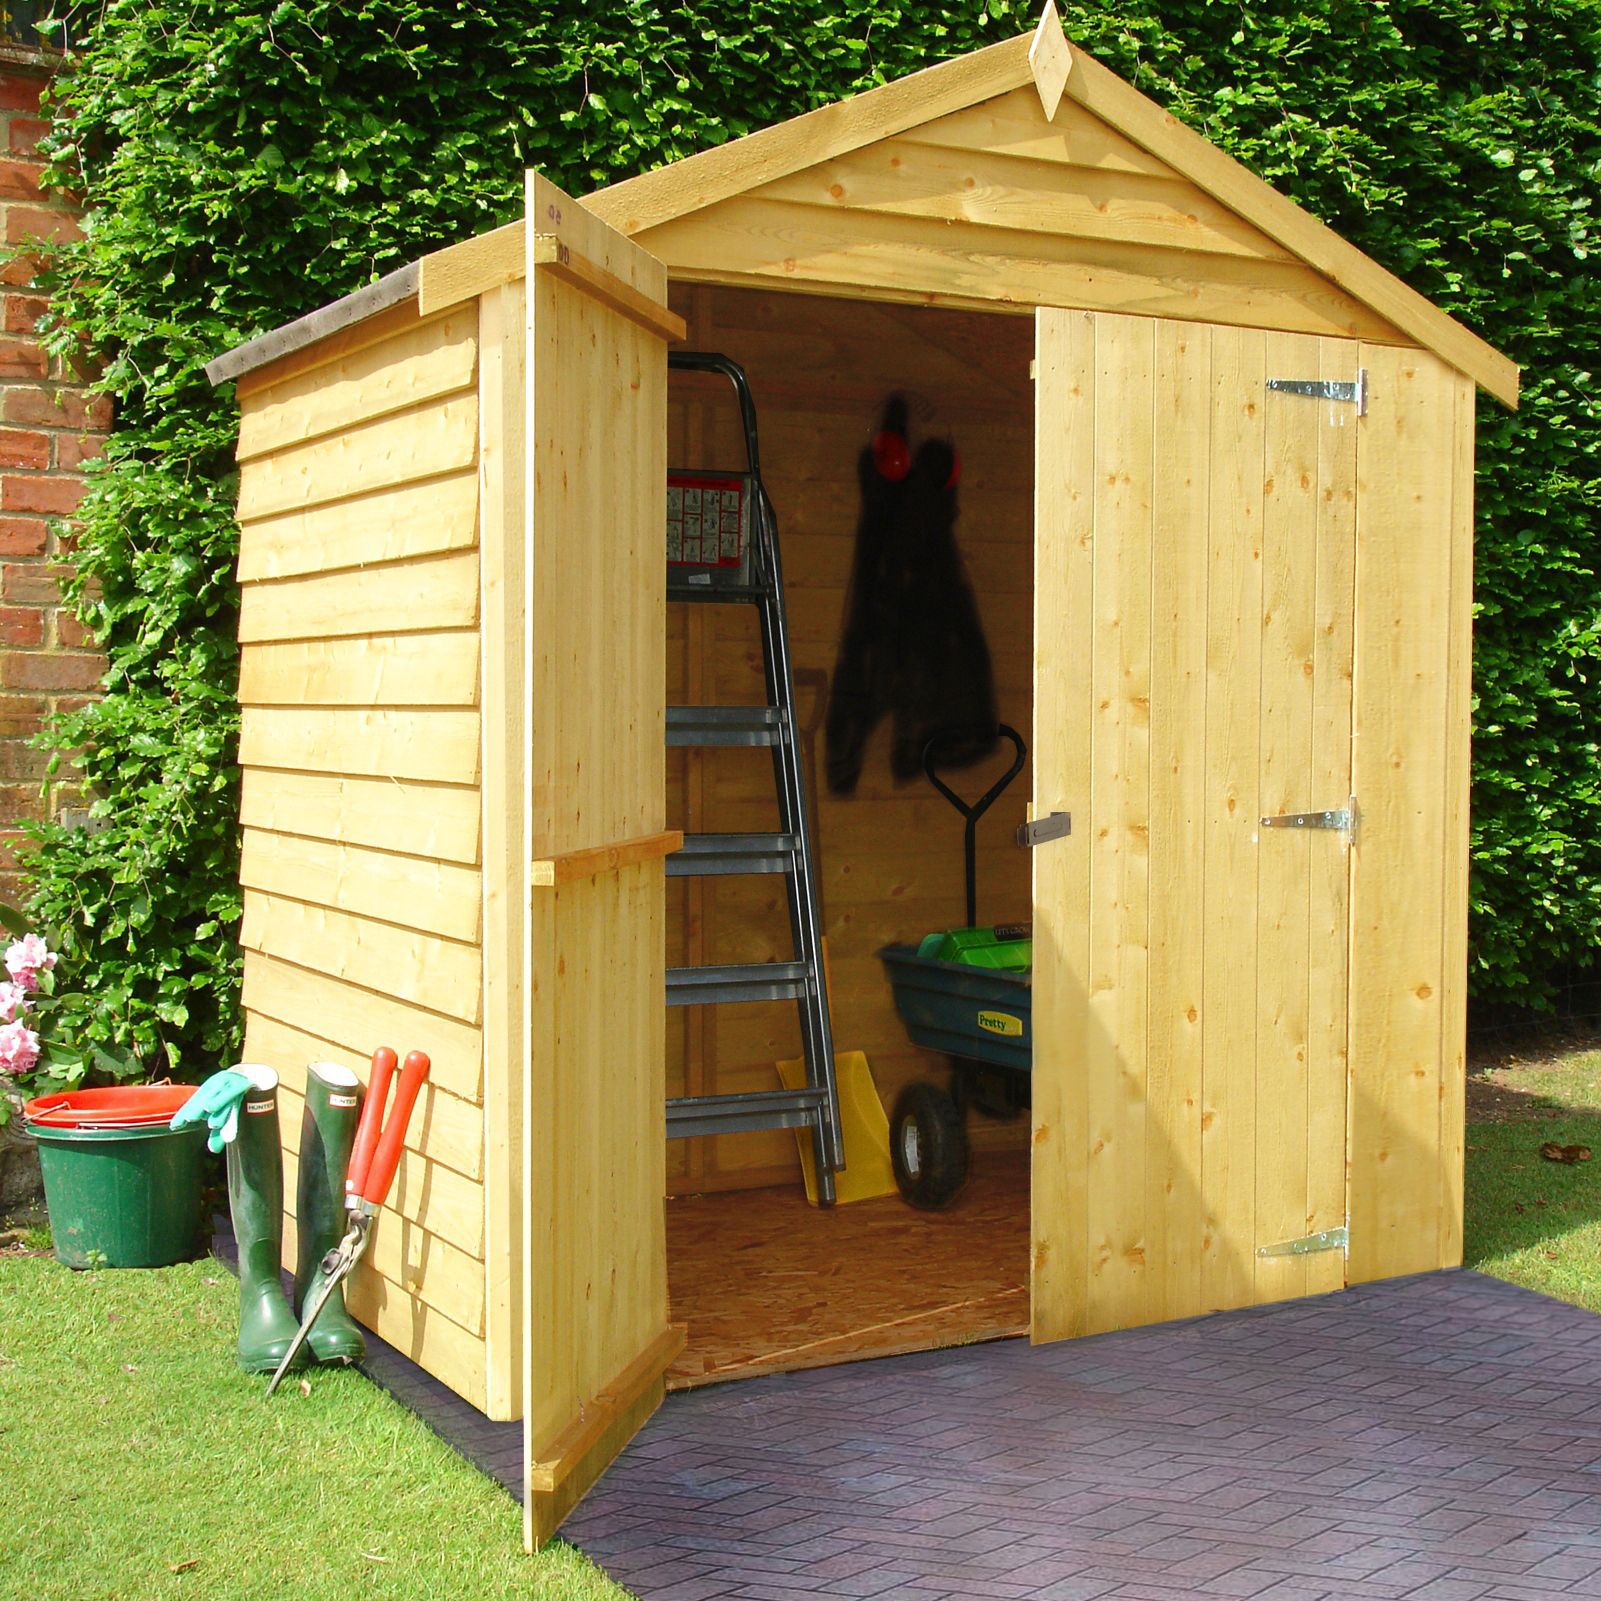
(928,1147)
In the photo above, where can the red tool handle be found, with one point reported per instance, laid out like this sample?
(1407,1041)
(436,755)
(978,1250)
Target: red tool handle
(372,1119)
(387,1159)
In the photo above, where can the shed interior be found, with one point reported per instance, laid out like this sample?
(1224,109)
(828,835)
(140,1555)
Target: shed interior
(763,1280)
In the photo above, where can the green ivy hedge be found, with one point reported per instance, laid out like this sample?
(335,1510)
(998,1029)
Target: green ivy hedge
(243,163)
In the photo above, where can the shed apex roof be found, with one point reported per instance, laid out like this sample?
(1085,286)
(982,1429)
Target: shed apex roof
(683,187)
(1058,70)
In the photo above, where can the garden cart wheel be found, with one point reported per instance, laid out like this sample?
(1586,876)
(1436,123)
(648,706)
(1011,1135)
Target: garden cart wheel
(928,1146)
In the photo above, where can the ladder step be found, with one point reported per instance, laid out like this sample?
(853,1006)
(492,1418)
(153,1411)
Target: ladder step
(743,981)
(729,1114)
(704,855)
(725,725)
(724,594)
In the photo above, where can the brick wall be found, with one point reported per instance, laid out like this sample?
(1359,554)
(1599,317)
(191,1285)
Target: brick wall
(48,428)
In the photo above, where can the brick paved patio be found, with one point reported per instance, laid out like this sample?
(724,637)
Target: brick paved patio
(1435,1439)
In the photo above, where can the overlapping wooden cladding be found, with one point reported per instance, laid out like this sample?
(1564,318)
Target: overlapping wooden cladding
(361,861)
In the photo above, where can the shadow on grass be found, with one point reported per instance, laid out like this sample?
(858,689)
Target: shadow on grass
(1535,1222)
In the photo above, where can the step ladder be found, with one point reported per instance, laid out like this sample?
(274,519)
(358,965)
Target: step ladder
(722,548)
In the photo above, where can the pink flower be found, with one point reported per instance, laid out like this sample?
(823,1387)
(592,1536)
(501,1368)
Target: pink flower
(19,1048)
(27,958)
(13,1002)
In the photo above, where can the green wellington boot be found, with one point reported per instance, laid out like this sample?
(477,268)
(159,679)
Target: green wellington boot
(256,1199)
(326,1135)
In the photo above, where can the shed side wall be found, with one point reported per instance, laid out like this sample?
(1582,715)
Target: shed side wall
(359,683)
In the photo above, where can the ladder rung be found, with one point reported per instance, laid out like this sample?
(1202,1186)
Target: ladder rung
(728,1114)
(703,855)
(726,594)
(744,981)
(724,725)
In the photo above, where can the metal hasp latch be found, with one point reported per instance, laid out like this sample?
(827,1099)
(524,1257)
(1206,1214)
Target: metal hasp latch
(1329,1240)
(1327,389)
(1044,829)
(1342,822)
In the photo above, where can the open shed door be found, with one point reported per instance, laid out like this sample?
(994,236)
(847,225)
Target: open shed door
(596,1339)
(1195,574)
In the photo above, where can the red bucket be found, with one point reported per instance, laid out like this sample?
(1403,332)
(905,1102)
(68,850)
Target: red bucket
(121,1106)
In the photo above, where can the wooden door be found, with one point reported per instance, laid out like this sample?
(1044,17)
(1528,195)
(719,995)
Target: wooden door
(1195,572)
(596,1337)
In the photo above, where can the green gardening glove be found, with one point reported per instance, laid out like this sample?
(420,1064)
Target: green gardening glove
(217,1101)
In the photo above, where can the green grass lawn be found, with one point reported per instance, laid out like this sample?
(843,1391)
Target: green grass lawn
(1534,1222)
(139,1464)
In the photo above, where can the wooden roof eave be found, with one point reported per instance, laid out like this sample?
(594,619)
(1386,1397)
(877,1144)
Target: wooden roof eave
(391,290)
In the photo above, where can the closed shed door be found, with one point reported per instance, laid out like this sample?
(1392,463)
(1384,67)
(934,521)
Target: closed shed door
(1195,579)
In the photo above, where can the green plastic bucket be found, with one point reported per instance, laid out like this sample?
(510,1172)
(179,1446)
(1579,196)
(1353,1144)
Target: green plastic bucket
(122,1197)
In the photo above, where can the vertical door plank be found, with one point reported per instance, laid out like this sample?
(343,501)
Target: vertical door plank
(1459,722)
(1116,1053)
(503,339)
(1285,859)
(1406,470)
(1064,549)
(1174,1218)
(1330,903)
(1233,738)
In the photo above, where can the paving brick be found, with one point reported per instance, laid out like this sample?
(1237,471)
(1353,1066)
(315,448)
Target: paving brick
(1379,1445)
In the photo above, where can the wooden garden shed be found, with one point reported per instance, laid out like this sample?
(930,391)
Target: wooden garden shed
(1217,511)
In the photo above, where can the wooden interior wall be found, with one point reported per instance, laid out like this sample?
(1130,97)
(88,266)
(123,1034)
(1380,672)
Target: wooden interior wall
(359,681)
(891,857)
(994,204)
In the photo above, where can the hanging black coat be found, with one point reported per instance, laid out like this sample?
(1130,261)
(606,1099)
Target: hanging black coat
(913,647)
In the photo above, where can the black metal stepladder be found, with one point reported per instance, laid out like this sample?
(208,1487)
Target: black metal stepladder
(722,548)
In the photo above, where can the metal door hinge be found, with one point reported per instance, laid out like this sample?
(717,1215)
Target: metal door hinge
(1043,829)
(1329,1240)
(1343,821)
(1327,389)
